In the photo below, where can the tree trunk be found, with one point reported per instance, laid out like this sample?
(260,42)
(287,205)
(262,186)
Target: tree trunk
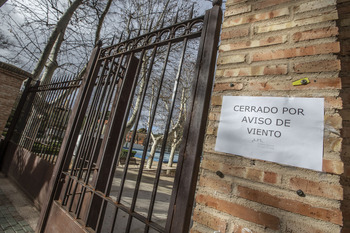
(172,154)
(101,20)
(60,27)
(51,64)
(156,141)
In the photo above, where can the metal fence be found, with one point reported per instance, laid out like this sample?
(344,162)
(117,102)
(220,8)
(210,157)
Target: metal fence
(155,71)
(43,119)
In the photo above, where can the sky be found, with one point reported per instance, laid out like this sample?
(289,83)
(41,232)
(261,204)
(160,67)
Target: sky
(28,37)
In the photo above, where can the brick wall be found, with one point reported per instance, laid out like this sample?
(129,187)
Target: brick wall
(11,79)
(266,45)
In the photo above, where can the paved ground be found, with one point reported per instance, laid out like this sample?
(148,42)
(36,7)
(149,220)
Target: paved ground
(17,213)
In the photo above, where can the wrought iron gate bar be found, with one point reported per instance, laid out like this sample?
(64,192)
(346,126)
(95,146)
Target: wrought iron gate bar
(118,205)
(87,140)
(57,85)
(83,143)
(132,46)
(42,125)
(115,81)
(86,169)
(123,179)
(152,117)
(54,96)
(120,138)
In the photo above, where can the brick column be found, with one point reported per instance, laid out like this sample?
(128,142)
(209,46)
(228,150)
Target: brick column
(266,45)
(11,79)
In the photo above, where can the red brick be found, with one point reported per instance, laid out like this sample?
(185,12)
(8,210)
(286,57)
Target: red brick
(320,84)
(301,226)
(241,171)
(315,34)
(255,17)
(334,167)
(216,100)
(326,48)
(214,116)
(317,66)
(237,10)
(235,33)
(335,121)
(314,5)
(255,71)
(194,231)
(313,19)
(270,177)
(220,185)
(321,189)
(226,169)
(240,211)
(242,229)
(329,215)
(211,130)
(232,2)
(273,40)
(209,220)
(227,86)
(333,102)
(268,3)
(332,144)
(254,174)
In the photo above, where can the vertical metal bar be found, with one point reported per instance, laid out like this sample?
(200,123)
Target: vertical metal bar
(166,132)
(50,113)
(13,123)
(109,150)
(59,121)
(109,94)
(64,116)
(26,110)
(123,119)
(25,136)
(71,136)
(85,139)
(37,110)
(188,164)
(101,103)
(139,176)
(47,116)
(114,80)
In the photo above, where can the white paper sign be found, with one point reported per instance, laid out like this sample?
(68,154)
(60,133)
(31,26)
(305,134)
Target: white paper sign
(277,129)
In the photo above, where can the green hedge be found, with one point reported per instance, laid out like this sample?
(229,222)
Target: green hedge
(124,153)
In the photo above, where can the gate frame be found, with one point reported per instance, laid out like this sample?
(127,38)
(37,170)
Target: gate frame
(181,203)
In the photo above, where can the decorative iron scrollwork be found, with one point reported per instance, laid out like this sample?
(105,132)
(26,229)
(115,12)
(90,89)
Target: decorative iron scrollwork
(175,33)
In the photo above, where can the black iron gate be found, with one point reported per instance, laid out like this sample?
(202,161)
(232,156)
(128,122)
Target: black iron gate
(108,179)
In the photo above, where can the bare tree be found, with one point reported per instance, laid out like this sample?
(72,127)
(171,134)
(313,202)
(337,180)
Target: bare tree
(59,29)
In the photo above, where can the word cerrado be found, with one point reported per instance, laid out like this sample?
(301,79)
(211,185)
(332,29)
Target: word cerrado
(273,110)
(254,120)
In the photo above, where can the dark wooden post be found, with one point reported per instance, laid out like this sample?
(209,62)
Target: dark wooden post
(179,215)
(72,133)
(22,102)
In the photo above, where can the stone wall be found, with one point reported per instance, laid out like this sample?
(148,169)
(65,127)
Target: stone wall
(11,79)
(266,45)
